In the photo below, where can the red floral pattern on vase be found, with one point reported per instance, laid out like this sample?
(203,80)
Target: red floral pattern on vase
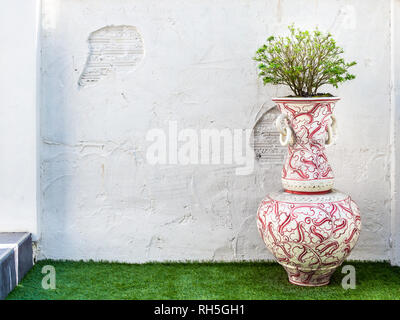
(309,227)
(306,166)
(309,235)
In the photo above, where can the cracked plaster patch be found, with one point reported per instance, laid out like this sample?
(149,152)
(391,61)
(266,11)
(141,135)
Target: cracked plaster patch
(112,49)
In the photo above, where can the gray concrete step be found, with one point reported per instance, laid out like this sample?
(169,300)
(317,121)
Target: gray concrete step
(16,259)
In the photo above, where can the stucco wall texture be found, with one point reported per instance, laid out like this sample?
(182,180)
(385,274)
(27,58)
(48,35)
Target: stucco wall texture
(102,200)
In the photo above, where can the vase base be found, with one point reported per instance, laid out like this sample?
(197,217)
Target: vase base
(302,284)
(315,278)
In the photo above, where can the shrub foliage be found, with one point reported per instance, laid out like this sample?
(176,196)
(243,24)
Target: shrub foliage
(304,61)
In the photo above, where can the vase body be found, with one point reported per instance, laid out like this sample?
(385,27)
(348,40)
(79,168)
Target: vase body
(306,166)
(309,235)
(309,227)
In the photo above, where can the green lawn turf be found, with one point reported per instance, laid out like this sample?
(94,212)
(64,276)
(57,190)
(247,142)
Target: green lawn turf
(243,280)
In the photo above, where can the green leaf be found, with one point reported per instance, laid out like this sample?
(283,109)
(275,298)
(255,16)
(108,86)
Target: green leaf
(302,61)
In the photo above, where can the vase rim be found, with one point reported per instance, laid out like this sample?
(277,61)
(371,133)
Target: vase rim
(305,99)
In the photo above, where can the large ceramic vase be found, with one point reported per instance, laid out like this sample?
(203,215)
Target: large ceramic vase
(308,226)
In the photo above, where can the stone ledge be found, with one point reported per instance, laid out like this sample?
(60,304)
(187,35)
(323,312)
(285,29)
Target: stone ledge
(15,259)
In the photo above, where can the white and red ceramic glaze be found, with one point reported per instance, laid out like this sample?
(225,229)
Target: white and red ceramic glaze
(309,235)
(309,227)
(306,166)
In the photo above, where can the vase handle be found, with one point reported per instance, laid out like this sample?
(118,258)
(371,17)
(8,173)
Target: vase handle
(331,129)
(285,132)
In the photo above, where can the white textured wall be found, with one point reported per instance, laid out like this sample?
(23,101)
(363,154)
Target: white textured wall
(100,197)
(395,133)
(19,20)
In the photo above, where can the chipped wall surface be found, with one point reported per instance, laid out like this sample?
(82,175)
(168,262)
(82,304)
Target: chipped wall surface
(266,144)
(113,49)
(101,199)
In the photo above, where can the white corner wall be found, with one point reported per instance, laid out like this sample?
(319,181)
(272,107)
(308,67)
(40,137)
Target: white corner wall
(19,22)
(101,199)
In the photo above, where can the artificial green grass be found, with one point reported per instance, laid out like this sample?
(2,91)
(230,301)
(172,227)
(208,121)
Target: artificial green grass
(244,280)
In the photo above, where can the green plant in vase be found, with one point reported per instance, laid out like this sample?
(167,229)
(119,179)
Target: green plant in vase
(304,61)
